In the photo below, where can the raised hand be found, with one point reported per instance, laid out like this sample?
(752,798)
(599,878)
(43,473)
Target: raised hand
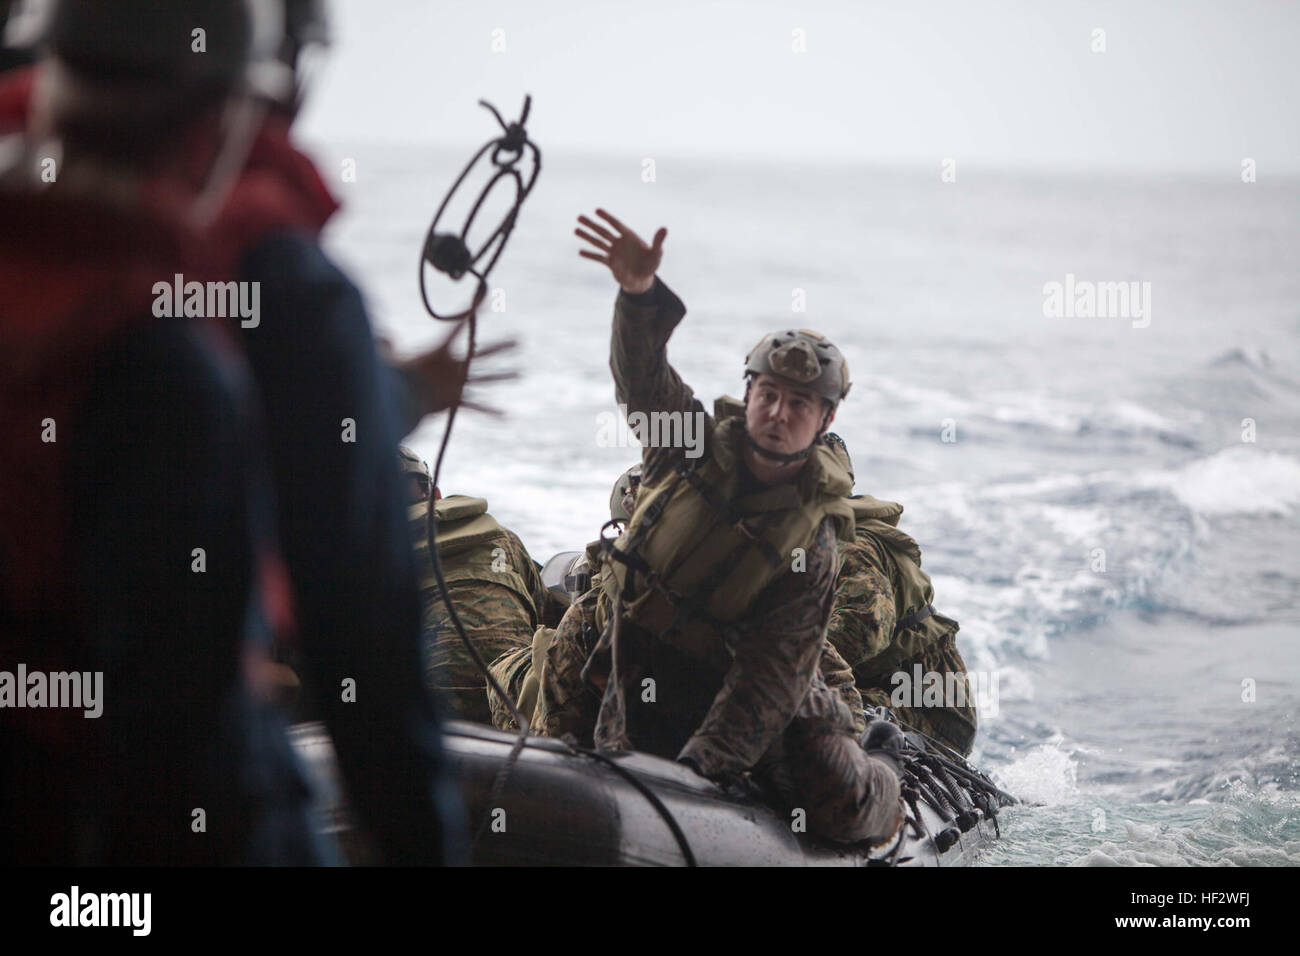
(630,259)
(439,378)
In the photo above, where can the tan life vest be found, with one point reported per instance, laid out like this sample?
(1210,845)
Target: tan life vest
(472,545)
(919,627)
(701,555)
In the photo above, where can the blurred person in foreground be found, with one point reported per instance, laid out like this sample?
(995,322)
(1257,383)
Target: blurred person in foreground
(334,413)
(137,557)
(350,578)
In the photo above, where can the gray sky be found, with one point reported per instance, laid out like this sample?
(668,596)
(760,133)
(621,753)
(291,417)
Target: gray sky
(1181,86)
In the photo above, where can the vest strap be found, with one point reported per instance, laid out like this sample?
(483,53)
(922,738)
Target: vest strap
(915,618)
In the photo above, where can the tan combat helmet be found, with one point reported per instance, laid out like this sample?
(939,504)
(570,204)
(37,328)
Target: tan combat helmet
(804,358)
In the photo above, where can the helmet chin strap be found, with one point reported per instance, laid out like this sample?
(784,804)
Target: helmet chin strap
(778,456)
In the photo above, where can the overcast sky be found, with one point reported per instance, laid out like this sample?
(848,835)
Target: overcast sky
(1179,86)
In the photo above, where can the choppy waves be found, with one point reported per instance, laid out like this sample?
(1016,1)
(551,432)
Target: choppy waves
(1112,540)
(1166,517)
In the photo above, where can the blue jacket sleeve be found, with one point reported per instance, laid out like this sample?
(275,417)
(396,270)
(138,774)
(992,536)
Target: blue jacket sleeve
(167,521)
(333,431)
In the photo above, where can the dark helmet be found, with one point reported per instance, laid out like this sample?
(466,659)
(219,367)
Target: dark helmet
(804,358)
(148,41)
(306,23)
(622,500)
(306,34)
(128,77)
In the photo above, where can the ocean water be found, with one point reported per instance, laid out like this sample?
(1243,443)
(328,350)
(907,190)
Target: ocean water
(1114,517)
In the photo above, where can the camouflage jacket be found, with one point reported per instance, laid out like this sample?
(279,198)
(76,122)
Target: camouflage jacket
(778,652)
(863,628)
(863,622)
(499,596)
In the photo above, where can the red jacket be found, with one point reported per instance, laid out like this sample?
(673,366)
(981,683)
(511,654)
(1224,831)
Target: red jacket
(73,276)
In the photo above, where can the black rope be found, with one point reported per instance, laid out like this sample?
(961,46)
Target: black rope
(928,775)
(954,762)
(665,814)
(449,252)
(979,788)
(431,530)
(892,859)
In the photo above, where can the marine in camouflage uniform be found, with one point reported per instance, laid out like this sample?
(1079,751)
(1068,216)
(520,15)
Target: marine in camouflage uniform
(494,583)
(870,589)
(564,705)
(520,672)
(884,624)
(711,637)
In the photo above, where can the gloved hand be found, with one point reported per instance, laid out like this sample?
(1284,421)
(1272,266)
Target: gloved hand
(885,741)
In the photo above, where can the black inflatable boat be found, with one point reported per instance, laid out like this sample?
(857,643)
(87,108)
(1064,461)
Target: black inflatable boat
(561,806)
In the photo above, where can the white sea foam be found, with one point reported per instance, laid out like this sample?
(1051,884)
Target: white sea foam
(1079,524)
(1238,480)
(1139,415)
(1045,775)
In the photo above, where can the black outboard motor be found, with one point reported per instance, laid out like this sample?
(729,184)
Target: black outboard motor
(567,576)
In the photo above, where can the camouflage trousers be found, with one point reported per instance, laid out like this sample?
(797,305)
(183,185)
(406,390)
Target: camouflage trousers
(816,767)
(546,679)
(954,725)
(515,672)
(519,674)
